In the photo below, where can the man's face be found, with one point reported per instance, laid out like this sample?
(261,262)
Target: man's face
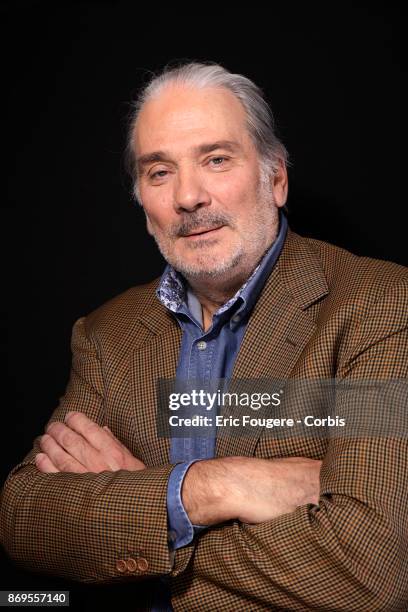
(210,209)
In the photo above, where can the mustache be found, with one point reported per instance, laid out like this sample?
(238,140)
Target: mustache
(199,220)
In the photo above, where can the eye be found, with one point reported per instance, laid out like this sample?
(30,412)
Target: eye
(158,174)
(217,161)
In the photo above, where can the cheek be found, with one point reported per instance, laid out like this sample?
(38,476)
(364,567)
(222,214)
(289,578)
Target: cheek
(236,198)
(236,185)
(158,215)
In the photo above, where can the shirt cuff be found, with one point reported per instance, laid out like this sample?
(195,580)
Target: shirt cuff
(181,530)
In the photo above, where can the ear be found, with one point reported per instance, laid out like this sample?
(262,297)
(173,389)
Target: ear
(279,184)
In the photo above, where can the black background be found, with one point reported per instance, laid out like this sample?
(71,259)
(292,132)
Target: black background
(72,238)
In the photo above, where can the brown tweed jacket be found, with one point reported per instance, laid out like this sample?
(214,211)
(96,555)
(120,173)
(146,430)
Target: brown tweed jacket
(323,312)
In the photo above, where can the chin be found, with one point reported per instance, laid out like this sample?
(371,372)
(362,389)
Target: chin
(205,268)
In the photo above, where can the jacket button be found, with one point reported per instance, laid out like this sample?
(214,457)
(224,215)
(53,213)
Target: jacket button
(131,565)
(121,565)
(142,564)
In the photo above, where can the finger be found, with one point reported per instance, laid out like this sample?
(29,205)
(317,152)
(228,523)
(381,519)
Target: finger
(44,463)
(68,451)
(112,452)
(115,454)
(93,433)
(102,447)
(62,459)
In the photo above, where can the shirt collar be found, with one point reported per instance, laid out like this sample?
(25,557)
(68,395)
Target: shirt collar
(174,293)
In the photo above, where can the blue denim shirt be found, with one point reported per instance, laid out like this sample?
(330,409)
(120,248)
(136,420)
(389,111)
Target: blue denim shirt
(204,356)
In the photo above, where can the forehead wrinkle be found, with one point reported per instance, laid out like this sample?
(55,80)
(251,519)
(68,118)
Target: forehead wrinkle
(181,110)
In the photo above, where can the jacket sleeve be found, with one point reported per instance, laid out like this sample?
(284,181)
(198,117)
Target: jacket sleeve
(350,551)
(92,527)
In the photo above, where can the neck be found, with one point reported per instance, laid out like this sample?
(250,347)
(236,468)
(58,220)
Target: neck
(211,299)
(214,292)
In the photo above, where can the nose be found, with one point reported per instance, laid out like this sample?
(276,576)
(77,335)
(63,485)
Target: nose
(189,190)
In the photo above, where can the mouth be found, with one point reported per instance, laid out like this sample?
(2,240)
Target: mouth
(200,233)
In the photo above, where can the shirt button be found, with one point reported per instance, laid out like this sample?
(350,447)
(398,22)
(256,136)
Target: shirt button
(236,318)
(202,345)
(171,535)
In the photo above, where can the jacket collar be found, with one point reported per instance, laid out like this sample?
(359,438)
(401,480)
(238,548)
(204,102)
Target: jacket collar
(298,272)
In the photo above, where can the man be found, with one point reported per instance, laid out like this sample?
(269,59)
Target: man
(224,522)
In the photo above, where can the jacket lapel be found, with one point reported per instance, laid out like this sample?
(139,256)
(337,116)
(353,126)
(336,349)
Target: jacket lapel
(155,356)
(278,329)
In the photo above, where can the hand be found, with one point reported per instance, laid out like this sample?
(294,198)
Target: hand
(249,489)
(81,445)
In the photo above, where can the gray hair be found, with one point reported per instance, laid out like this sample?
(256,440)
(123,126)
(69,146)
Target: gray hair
(259,117)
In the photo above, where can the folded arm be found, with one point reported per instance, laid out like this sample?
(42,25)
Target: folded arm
(80,504)
(81,522)
(347,552)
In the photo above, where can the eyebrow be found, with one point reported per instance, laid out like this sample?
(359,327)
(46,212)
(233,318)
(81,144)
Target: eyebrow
(162,156)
